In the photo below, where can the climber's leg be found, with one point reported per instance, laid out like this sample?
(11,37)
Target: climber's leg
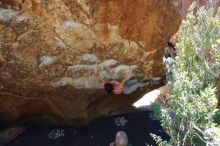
(133,85)
(130,89)
(141,85)
(131,82)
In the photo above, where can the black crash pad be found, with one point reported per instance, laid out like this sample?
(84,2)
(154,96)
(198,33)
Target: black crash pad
(100,132)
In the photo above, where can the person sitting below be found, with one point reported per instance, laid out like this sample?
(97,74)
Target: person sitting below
(121,139)
(126,86)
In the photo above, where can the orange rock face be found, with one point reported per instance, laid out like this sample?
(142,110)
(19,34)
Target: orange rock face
(48,50)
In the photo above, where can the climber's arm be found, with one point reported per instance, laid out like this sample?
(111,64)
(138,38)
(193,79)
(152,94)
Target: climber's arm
(124,80)
(97,75)
(99,79)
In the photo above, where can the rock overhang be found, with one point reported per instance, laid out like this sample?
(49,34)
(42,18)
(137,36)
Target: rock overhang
(48,49)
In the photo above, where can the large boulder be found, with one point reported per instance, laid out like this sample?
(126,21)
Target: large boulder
(49,49)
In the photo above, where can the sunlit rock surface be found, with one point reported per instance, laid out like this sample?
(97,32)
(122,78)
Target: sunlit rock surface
(157,96)
(49,48)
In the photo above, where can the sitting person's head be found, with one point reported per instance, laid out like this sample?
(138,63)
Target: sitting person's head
(121,139)
(109,87)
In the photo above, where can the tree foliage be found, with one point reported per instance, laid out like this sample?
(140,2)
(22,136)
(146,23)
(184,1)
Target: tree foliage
(192,105)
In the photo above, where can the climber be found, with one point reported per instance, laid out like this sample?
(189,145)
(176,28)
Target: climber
(126,86)
(111,86)
(121,139)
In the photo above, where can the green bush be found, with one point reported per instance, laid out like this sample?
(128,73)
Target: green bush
(217,117)
(189,117)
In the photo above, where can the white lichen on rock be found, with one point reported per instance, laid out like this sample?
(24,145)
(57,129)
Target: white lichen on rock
(90,58)
(61,45)
(79,67)
(68,25)
(108,63)
(78,70)
(84,76)
(89,82)
(122,70)
(7,15)
(46,61)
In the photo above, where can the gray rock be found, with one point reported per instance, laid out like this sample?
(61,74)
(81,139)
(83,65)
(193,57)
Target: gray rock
(79,70)
(109,63)
(7,14)
(46,61)
(90,58)
(79,67)
(122,70)
(61,45)
(68,25)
